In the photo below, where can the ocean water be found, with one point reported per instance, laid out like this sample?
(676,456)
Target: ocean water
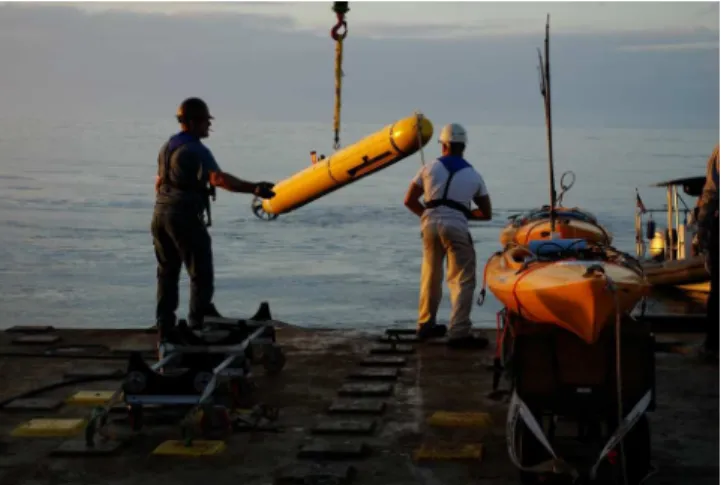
(76,198)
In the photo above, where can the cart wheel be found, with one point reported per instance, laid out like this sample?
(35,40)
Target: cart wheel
(273,359)
(135,417)
(637,449)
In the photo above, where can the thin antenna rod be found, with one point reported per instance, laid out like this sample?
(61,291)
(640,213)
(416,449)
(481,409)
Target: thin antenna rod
(546,92)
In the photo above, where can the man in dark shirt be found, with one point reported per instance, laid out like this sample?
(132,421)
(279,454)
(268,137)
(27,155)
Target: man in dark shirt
(187,177)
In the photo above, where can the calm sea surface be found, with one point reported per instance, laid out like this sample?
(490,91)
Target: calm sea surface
(76,200)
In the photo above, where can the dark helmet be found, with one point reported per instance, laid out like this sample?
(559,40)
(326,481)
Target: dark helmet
(193,109)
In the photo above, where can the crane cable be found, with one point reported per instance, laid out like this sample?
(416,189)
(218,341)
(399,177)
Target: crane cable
(340,9)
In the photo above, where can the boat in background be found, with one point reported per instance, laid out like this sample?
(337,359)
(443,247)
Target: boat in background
(671,257)
(571,283)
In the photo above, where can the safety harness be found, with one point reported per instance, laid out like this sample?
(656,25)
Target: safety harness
(453,165)
(205,190)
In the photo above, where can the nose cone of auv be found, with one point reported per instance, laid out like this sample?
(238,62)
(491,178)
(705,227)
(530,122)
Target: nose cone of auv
(404,133)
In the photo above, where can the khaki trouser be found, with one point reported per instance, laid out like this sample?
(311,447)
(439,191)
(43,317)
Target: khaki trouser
(457,245)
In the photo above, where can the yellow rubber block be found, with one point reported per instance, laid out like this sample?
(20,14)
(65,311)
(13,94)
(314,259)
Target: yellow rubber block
(90,398)
(50,427)
(462,452)
(199,448)
(460,420)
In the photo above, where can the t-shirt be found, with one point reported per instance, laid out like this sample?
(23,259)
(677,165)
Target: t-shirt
(466,185)
(190,164)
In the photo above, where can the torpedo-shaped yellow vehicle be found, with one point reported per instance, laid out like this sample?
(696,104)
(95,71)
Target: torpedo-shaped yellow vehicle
(388,146)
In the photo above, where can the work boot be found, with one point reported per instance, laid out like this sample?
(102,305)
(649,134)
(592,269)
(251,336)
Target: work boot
(468,342)
(431,330)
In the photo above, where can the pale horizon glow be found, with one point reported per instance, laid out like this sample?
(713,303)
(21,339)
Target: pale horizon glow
(394,19)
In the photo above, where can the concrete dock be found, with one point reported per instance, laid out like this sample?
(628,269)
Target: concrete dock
(380,447)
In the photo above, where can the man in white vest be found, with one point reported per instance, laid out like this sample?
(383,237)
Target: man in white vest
(448,185)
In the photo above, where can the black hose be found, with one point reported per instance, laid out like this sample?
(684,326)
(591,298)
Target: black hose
(119,374)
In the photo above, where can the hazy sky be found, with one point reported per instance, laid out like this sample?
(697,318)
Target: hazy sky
(401,19)
(641,64)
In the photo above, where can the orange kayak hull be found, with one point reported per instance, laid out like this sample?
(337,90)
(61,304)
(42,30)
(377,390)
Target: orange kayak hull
(563,293)
(570,224)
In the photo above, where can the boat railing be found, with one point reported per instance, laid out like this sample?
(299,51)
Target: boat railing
(677,239)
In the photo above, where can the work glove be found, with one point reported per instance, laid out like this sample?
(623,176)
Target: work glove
(264,190)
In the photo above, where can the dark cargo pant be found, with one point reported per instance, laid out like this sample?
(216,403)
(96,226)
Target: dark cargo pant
(181,238)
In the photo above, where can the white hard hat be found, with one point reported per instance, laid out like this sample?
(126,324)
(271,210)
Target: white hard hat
(453,133)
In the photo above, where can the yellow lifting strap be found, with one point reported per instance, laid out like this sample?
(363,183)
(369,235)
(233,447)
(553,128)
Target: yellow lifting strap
(340,9)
